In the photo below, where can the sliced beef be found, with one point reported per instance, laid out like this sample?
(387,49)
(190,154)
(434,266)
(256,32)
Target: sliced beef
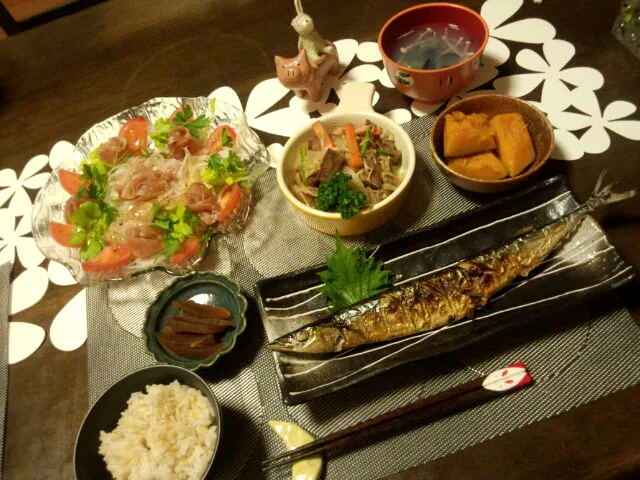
(332,162)
(371,174)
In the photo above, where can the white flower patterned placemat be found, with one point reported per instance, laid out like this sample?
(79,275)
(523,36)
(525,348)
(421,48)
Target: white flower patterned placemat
(68,329)
(565,87)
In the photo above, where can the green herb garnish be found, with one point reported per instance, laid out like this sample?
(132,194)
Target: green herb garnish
(163,126)
(365,141)
(93,217)
(95,172)
(94,156)
(160,135)
(334,195)
(352,277)
(78,236)
(194,126)
(177,224)
(224,170)
(382,151)
(226,140)
(91,221)
(302,151)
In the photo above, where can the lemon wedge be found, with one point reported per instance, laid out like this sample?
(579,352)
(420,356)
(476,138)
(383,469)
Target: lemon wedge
(294,437)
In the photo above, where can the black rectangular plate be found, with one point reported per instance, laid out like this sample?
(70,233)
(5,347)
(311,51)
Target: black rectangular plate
(586,266)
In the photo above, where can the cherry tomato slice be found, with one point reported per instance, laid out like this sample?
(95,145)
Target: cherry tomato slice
(62,233)
(112,257)
(70,181)
(229,200)
(135,134)
(214,142)
(187,250)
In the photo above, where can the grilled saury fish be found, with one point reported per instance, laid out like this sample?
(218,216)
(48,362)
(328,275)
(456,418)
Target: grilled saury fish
(441,298)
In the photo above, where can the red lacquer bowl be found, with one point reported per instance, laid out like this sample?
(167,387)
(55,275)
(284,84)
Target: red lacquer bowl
(436,85)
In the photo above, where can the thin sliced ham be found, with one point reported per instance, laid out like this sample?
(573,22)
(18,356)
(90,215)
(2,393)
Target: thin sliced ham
(144,179)
(179,140)
(145,186)
(201,199)
(113,150)
(144,241)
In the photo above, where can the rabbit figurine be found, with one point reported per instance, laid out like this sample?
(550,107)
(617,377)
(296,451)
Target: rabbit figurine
(310,40)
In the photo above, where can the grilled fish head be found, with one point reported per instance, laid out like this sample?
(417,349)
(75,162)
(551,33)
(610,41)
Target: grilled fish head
(315,339)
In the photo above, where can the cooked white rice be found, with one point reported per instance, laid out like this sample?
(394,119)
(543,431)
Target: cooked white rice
(167,433)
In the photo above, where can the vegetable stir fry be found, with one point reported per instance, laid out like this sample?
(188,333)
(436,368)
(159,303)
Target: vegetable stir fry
(347,169)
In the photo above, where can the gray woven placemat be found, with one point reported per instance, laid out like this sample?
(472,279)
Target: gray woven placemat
(5,272)
(572,363)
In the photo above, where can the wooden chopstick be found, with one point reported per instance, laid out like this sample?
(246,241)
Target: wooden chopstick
(500,382)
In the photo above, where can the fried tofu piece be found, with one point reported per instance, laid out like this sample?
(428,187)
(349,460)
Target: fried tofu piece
(481,166)
(467,134)
(515,147)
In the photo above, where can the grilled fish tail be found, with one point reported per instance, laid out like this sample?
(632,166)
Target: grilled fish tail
(604,195)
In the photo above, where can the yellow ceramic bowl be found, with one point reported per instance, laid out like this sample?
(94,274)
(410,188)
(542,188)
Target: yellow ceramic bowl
(355,107)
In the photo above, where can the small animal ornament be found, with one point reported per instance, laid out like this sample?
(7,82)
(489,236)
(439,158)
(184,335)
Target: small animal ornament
(309,39)
(300,76)
(316,58)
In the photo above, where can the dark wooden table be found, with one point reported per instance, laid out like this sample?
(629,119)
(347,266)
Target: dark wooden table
(60,78)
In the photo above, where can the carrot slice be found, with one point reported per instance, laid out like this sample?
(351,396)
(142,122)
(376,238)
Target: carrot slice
(323,134)
(354,160)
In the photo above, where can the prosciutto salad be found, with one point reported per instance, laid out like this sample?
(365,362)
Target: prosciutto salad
(153,192)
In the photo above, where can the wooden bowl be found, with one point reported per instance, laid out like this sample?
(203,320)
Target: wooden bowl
(439,84)
(538,125)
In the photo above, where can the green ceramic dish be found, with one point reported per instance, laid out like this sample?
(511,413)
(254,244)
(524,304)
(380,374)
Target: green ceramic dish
(205,287)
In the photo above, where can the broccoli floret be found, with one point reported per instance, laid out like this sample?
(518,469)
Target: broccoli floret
(334,195)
